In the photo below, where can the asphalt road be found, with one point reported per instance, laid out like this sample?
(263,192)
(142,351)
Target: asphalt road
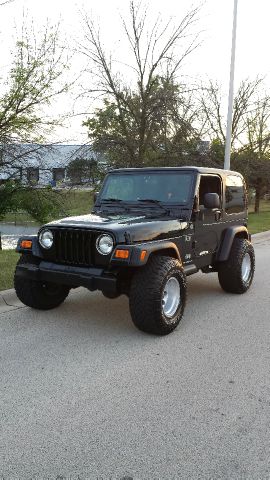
(85,395)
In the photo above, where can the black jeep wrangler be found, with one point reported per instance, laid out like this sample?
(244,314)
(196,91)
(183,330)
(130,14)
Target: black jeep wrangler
(149,229)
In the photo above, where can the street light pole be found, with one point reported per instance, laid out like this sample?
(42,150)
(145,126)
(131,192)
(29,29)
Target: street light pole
(227,164)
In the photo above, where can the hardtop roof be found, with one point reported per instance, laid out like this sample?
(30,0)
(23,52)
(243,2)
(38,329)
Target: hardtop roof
(202,170)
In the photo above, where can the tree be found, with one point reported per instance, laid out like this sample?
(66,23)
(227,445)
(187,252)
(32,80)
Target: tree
(81,170)
(170,130)
(214,111)
(40,204)
(143,121)
(34,80)
(250,133)
(253,159)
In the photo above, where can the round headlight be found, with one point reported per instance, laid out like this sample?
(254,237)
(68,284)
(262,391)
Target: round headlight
(46,239)
(104,244)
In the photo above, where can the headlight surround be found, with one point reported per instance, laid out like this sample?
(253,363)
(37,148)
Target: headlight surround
(46,239)
(105,244)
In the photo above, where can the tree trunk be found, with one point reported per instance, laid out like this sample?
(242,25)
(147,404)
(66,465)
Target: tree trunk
(257,200)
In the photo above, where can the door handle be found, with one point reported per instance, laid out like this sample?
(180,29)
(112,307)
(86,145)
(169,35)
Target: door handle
(217,215)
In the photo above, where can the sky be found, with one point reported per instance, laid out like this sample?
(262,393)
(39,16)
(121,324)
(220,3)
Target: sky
(210,60)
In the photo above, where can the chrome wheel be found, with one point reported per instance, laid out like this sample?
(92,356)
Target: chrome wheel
(246,267)
(171,297)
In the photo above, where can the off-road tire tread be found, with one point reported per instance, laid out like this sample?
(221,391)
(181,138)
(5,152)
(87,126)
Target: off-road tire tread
(32,294)
(145,300)
(229,272)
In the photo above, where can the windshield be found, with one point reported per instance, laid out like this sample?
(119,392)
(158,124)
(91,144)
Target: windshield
(169,187)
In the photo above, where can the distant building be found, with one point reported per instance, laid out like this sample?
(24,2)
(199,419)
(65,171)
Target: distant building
(41,164)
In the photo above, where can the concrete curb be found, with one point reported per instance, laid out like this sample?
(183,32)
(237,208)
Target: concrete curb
(9,300)
(260,238)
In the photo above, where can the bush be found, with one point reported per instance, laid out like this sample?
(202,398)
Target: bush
(41,204)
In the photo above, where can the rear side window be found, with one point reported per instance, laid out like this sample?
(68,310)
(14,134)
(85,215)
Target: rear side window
(234,194)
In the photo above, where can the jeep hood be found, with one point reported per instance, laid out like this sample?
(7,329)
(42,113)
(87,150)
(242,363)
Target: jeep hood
(135,228)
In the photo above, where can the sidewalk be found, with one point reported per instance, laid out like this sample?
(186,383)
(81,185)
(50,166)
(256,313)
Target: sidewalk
(9,300)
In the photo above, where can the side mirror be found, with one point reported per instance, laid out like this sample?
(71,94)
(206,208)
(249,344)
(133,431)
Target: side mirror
(211,200)
(95,196)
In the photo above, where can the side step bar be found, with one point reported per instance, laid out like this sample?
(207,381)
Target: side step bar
(189,269)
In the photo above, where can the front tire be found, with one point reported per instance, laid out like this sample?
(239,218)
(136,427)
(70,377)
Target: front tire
(158,295)
(39,295)
(236,274)
(109,295)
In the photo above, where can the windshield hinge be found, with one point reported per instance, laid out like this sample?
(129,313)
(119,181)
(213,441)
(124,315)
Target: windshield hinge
(127,238)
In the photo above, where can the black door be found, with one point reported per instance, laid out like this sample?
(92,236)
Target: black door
(208,222)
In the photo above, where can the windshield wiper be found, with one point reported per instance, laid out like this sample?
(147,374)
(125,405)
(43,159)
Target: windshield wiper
(155,202)
(115,200)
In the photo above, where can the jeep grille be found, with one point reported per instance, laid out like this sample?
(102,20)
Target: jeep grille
(73,246)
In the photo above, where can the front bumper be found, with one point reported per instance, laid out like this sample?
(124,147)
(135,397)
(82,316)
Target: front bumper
(91,278)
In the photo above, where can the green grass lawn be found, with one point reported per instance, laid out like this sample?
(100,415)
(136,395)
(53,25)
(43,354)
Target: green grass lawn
(8,260)
(259,222)
(78,202)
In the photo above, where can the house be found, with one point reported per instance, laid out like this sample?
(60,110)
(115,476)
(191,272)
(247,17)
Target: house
(41,164)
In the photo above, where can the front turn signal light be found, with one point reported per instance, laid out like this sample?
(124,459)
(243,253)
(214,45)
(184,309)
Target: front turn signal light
(124,254)
(26,244)
(143,255)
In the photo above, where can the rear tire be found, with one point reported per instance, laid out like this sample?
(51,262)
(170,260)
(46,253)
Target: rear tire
(236,274)
(158,295)
(39,295)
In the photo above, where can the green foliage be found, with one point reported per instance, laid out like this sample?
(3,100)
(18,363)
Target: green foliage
(216,154)
(140,129)
(250,133)
(81,170)
(151,119)
(7,197)
(256,171)
(41,204)
(33,81)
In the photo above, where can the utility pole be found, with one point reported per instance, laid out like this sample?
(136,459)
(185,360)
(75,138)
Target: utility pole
(227,162)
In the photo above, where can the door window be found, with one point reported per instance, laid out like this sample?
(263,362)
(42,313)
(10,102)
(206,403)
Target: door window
(209,184)
(234,194)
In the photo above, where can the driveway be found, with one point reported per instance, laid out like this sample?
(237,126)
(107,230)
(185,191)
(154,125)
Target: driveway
(86,395)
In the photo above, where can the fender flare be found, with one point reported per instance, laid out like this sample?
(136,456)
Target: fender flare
(157,247)
(228,238)
(150,247)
